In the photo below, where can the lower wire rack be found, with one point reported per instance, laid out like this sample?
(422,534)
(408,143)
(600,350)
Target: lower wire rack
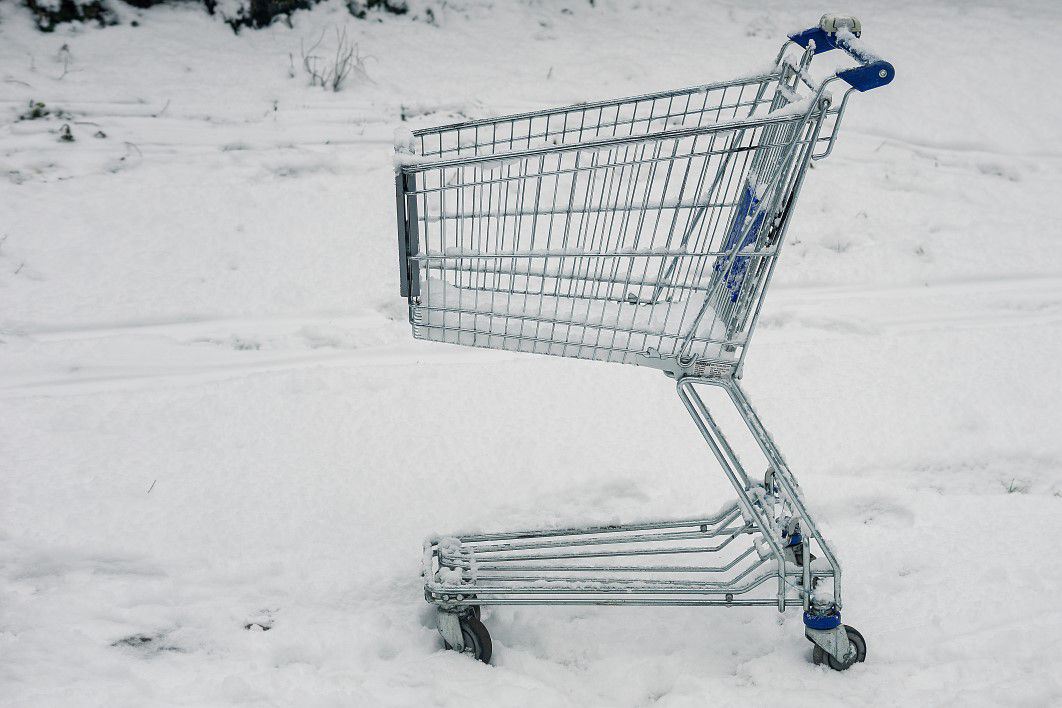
(722,559)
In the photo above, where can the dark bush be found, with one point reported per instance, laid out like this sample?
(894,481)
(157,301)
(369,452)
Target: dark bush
(361,8)
(48,15)
(249,13)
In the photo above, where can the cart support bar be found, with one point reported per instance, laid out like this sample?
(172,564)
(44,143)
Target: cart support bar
(836,32)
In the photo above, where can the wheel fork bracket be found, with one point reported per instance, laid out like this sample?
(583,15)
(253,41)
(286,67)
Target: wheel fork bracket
(833,641)
(450,629)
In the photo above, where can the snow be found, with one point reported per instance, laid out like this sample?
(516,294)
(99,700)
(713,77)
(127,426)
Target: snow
(404,140)
(574,326)
(213,414)
(449,576)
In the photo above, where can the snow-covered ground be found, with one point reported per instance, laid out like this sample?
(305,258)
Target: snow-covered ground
(212,414)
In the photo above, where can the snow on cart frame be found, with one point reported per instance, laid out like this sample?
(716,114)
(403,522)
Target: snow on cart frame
(644,231)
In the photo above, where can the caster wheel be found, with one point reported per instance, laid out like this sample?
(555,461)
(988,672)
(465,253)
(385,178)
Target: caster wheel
(821,657)
(477,639)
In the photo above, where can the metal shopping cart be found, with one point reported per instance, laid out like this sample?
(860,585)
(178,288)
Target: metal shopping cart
(644,231)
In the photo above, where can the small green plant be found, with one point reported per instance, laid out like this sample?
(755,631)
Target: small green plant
(1016,486)
(36,110)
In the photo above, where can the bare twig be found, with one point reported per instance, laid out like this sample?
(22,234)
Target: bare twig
(333,73)
(65,57)
(310,60)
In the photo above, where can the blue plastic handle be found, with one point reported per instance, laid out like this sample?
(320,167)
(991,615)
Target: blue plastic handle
(872,71)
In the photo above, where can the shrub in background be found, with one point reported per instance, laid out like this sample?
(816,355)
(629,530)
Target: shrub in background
(236,13)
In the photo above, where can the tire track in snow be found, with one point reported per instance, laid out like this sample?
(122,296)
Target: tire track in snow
(95,379)
(1004,301)
(189,351)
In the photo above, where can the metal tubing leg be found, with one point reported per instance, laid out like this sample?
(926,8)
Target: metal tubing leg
(732,468)
(734,471)
(785,479)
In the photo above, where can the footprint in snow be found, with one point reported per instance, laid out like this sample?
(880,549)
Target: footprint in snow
(261,622)
(146,643)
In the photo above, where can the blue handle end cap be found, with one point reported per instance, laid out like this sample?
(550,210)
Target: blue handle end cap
(870,76)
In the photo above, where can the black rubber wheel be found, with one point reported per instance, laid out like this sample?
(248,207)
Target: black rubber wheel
(477,639)
(819,656)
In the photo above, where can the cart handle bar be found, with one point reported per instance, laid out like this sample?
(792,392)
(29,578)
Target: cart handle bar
(842,32)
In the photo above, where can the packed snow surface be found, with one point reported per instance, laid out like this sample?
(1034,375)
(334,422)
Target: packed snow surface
(221,449)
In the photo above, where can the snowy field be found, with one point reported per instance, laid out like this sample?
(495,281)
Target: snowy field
(212,414)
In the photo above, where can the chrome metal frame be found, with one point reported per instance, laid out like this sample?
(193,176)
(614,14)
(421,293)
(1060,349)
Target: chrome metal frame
(645,231)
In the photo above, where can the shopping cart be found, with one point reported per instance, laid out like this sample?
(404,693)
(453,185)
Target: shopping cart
(644,231)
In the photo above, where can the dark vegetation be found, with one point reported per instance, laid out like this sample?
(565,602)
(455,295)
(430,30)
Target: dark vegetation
(248,13)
